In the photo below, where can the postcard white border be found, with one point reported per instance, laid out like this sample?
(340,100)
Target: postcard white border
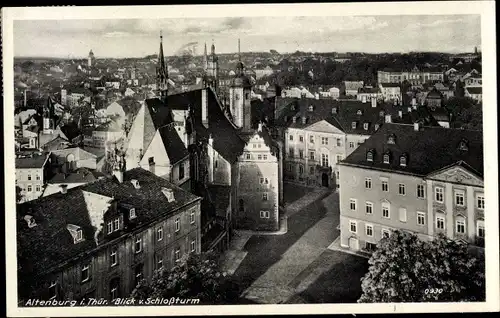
(488,46)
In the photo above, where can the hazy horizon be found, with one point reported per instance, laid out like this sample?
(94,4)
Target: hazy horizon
(137,38)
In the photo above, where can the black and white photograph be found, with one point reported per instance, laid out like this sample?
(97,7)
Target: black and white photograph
(166,159)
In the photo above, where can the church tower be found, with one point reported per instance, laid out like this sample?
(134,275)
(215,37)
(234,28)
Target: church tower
(205,59)
(212,70)
(162,74)
(240,97)
(91,59)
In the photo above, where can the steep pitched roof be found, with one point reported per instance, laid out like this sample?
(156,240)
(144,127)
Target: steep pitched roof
(36,250)
(428,149)
(31,162)
(474,90)
(175,148)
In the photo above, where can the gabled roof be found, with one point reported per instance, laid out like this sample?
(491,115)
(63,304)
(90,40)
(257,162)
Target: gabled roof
(428,149)
(81,175)
(474,90)
(35,162)
(36,250)
(175,148)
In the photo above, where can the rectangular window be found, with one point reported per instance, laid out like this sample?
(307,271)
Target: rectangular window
(177,254)
(110,227)
(291,137)
(264,181)
(264,157)
(324,140)
(259,157)
(301,138)
(301,154)
(138,244)
(181,171)
(291,152)
(370,246)
(324,160)
(192,217)
(158,261)
(193,245)
(159,234)
(29,177)
(459,198)
(351,144)
(30,188)
(480,229)
(461,226)
(311,155)
(352,204)
(385,186)
(339,142)
(440,222)
(402,189)
(264,214)
(311,139)
(116,224)
(385,211)
(248,156)
(369,230)
(438,194)
(85,273)
(369,208)
(138,273)
(37,188)
(114,257)
(38,177)
(420,191)
(53,290)
(177,225)
(386,233)
(480,202)
(311,170)
(352,226)
(368,183)
(339,158)
(264,196)
(420,218)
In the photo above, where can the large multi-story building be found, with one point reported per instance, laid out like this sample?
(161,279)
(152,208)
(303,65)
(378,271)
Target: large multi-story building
(424,180)
(414,76)
(110,234)
(31,175)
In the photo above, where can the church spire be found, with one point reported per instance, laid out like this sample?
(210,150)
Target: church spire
(239,67)
(162,73)
(205,59)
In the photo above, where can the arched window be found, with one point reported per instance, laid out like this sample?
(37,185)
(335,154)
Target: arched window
(402,161)
(480,228)
(391,139)
(369,155)
(460,225)
(311,108)
(387,157)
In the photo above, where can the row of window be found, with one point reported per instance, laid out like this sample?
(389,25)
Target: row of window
(37,177)
(401,187)
(259,157)
(366,126)
(115,224)
(29,188)
(264,214)
(459,198)
(324,140)
(460,226)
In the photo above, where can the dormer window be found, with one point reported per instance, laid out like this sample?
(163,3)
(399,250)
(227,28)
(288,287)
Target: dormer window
(387,158)
(359,112)
(334,110)
(376,127)
(391,139)
(294,119)
(369,155)
(354,125)
(168,193)
(293,107)
(135,183)
(131,214)
(30,220)
(365,126)
(464,145)
(76,232)
(402,161)
(311,108)
(381,114)
(113,225)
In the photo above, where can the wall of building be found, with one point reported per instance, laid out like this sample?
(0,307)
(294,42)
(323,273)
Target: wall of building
(352,182)
(156,150)
(31,182)
(69,281)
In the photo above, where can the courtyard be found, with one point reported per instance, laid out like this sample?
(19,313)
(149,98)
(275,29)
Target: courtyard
(298,267)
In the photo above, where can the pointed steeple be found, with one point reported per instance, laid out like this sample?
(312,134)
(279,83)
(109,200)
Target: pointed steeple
(162,73)
(240,68)
(205,59)
(213,47)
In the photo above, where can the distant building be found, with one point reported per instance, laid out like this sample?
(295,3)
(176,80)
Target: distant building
(414,76)
(475,93)
(400,179)
(267,71)
(110,234)
(352,87)
(391,92)
(91,59)
(109,132)
(366,94)
(474,80)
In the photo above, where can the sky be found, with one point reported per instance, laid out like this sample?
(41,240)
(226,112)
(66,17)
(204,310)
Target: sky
(121,38)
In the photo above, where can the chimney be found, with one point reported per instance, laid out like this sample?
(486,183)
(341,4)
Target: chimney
(416,126)
(259,128)
(294,119)
(64,188)
(304,120)
(414,103)
(400,114)
(388,119)
(25,99)
(211,161)
(316,95)
(204,107)
(363,98)
(152,165)
(374,102)
(334,110)
(409,109)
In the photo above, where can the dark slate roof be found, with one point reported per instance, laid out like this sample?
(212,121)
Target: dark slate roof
(81,175)
(220,196)
(33,162)
(428,150)
(71,130)
(160,114)
(434,94)
(390,84)
(420,115)
(474,90)
(175,148)
(36,250)
(227,142)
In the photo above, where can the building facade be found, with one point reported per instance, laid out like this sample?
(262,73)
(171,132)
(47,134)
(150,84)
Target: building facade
(388,184)
(31,175)
(109,241)
(414,76)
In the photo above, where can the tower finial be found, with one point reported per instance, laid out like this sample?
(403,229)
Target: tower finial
(161,35)
(239,51)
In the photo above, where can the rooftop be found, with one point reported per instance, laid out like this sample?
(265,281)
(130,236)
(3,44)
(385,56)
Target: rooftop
(34,162)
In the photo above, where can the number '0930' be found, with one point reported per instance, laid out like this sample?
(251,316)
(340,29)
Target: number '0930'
(433,291)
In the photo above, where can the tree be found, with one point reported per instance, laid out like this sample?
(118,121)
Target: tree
(197,276)
(19,194)
(407,269)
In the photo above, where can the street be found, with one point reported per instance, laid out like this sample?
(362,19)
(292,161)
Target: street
(297,267)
